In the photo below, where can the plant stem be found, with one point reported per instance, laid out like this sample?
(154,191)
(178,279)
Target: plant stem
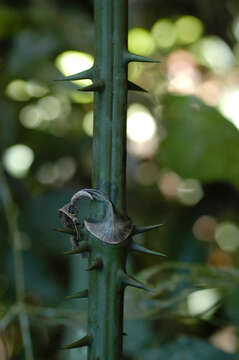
(11,213)
(105,302)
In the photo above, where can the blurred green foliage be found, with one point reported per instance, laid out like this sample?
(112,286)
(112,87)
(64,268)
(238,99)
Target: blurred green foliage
(182,171)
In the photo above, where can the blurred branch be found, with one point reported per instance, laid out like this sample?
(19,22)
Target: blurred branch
(11,213)
(61,316)
(9,317)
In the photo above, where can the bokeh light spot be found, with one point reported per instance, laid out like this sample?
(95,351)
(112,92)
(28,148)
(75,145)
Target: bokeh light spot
(73,62)
(47,173)
(141,125)
(168,184)
(204,228)
(141,42)
(81,97)
(88,123)
(214,53)
(17,160)
(51,107)
(227,236)
(17,90)
(31,116)
(202,300)
(190,192)
(164,33)
(189,29)
(36,89)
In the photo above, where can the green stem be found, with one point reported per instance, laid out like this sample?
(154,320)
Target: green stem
(105,302)
(11,213)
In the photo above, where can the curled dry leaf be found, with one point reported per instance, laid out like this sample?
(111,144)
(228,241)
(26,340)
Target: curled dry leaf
(69,220)
(113,228)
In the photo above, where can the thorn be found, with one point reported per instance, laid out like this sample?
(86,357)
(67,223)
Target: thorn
(79,295)
(83,246)
(134,87)
(142,249)
(96,265)
(85,341)
(65,231)
(96,86)
(142,229)
(124,334)
(87,74)
(138,58)
(127,280)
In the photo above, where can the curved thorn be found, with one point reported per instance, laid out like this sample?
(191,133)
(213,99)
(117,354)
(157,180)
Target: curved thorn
(141,229)
(96,86)
(80,194)
(85,341)
(134,87)
(87,74)
(124,334)
(138,58)
(65,231)
(96,265)
(127,280)
(142,249)
(79,295)
(83,246)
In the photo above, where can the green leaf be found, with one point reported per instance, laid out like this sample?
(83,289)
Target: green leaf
(200,142)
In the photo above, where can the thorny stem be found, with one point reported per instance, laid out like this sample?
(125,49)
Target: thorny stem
(105,301)
(108,254)
(15,240)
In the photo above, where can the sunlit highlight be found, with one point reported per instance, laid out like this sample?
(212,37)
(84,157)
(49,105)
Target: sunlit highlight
(201,301)
(141,42)
(215,53)
(73,62)
(17,160)
(141,125)
(228,105)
